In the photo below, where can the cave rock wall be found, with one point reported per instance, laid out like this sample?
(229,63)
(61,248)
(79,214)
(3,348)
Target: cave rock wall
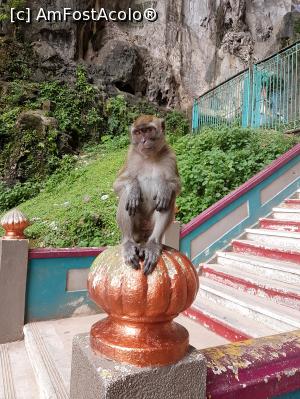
(193,45)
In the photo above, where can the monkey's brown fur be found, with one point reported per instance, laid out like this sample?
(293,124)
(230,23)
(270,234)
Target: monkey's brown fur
(147,186)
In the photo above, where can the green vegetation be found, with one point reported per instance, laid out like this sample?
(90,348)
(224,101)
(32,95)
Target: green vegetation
(5,8)
(32,152)
(62,145)
(216,161)
(77,206)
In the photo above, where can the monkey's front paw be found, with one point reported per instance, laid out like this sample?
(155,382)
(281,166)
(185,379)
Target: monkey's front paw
(152,252)
(133,201)
(131,254)
(163,199)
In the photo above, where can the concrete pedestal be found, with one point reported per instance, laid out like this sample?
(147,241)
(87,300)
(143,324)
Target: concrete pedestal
(171,237)
(93,377)
(13,272)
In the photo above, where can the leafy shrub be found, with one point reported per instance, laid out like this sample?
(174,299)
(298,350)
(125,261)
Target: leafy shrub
(30,156)
(76,108)
(20,192)
(216,161)
(177,124)
(5,8)
(119,116)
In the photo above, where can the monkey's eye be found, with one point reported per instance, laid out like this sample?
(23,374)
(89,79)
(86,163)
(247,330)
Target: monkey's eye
(136,132)
(151,129)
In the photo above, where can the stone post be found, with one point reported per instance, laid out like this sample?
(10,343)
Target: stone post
(138,351)
(13,273)
(95,376)
(171,237)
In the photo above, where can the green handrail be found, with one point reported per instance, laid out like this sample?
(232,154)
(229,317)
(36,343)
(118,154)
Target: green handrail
(266,95)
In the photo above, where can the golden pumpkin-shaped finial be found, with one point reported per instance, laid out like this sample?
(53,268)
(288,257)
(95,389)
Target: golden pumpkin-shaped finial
(140,329)
(14,223)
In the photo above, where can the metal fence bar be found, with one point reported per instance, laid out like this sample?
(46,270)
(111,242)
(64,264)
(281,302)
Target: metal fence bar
(265,95)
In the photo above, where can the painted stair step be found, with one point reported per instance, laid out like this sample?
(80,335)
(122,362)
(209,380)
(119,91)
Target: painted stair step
(282,225)
(226,322)
(278,317)
(278,291)
(287,272)
(293,203)
(242,310)
(42,353)
(287,240)
(297,194)
(286,214)
(16,375)
(255,248)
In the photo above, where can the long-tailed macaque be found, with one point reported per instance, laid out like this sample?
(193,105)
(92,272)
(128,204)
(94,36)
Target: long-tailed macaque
(147,186)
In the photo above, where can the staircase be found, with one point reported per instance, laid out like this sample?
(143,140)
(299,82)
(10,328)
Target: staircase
(252,289)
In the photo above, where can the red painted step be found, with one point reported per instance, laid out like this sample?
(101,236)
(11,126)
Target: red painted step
(254,248)
(279,291)
(292,203)
(220,328)
(276,224)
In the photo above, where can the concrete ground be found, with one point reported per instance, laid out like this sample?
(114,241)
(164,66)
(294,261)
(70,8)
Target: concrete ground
(50,350)
(200,337)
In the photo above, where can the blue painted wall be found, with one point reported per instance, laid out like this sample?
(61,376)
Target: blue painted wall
(46,293)
(290,395)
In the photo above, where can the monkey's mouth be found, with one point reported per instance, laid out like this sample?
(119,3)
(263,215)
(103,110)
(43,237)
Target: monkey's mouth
(146,147)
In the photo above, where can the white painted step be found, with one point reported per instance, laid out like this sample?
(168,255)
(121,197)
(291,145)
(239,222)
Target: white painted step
(16,375)
(232,319)
(49,346)
(270,283)
(286,214)
(287,240)
(279,317)
(267,268)
(42,355)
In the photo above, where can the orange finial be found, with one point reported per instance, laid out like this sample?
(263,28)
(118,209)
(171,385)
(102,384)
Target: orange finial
(139,329)
(14,223)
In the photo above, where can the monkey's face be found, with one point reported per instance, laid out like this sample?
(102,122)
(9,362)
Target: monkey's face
(148,138)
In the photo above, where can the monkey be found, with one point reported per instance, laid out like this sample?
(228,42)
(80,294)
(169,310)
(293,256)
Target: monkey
(147,187)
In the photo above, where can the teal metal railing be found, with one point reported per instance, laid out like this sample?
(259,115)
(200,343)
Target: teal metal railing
(265,95)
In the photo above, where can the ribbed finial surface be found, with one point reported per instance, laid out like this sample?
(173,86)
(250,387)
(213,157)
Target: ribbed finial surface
(14,223)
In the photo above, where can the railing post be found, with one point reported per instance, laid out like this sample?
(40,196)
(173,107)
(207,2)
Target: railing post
(256,98)
(246,99)
(195,118)
(13,273)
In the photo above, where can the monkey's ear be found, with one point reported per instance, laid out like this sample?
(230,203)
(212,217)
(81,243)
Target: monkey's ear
(163,125)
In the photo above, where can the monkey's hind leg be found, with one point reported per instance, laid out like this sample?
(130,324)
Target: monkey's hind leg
(153,247)
(126,224)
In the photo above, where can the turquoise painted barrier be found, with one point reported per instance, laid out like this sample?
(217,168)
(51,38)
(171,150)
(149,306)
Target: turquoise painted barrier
(249,194)
(47,295)
(290,395)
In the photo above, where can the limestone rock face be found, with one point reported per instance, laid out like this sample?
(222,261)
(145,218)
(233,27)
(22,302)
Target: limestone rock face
(193,45)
